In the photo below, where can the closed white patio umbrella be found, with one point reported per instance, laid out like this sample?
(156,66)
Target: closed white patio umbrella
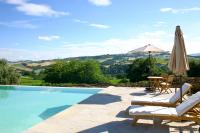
(178,62)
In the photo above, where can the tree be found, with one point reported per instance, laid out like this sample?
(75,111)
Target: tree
(194,68)
(8,75)
(139,69)
(74,72)
(115,69)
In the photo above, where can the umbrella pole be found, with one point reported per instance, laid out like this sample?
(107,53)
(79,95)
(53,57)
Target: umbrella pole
(180,81)
(149,63)
(149,68)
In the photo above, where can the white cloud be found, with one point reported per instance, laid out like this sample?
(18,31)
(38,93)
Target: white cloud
(183,10)
(99,26)
(35,9)
(168,10)
(95,25)
(19,24)
(80,21)
(39,10)
(100,2)
(17,54)
(160,39)
(159,24)
(16,2)
(48,38)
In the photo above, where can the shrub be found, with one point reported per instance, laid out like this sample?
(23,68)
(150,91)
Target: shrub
(74,72)
(194,68)
(124,80)
(194,81)
(8,75)
(140,69)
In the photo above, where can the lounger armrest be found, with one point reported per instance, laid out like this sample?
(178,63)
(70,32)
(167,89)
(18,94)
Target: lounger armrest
(143,103)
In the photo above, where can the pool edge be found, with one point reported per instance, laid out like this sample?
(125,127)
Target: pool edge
(67,112)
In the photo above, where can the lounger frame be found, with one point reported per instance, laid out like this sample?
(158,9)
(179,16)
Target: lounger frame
(164,104)
(191,115)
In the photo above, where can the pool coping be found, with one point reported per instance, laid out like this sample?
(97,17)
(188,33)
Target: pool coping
(57,86)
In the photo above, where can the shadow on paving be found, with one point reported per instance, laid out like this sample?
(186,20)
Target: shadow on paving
(52,111)
(158,94)
(185,129)
(101,98)
(142,93)
(126,127)
(138,93)
(145,92)
(123,114)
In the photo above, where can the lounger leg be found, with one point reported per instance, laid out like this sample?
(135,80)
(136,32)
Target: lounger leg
(198,122)
(166,90)
(135,119)
(170,90)
(157,121)
(161,90)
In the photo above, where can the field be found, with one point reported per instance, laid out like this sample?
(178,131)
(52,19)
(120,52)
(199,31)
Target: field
(30,81)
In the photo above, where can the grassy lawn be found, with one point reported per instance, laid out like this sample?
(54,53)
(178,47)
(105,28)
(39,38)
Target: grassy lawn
(25,80)
(115,81)
(30,81)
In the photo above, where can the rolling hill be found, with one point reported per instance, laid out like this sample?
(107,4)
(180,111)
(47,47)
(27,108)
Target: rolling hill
(110,64)
(105,61)
(196,55)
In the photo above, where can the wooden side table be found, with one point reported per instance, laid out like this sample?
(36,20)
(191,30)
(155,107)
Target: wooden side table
(155,82)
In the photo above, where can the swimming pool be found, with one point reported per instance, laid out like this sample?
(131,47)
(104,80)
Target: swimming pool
(22,107)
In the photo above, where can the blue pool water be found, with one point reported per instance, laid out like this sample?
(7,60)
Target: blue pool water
(22,107)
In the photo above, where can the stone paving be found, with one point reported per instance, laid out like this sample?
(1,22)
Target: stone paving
(105,113)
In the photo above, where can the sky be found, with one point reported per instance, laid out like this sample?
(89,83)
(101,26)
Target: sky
(52,29)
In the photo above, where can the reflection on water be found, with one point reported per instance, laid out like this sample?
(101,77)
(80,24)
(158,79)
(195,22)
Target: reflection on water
(4,91)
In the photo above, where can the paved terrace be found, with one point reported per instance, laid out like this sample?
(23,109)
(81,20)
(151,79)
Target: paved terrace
(104,112)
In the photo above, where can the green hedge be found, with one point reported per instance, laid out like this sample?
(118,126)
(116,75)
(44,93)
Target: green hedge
(74,72)
(8,75)
(195,81)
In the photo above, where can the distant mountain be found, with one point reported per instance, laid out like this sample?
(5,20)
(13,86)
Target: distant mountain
(110,64)
(196,55)
(105,60)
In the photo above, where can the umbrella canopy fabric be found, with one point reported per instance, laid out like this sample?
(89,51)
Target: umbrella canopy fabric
(178,62)
(148,48)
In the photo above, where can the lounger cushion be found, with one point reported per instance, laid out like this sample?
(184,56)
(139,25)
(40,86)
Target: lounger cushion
(145,99)
(185,88)
(172,100)
(188,104)
(151,110)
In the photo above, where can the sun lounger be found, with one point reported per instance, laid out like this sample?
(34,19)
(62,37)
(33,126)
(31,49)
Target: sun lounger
(188,110)
(167,102)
